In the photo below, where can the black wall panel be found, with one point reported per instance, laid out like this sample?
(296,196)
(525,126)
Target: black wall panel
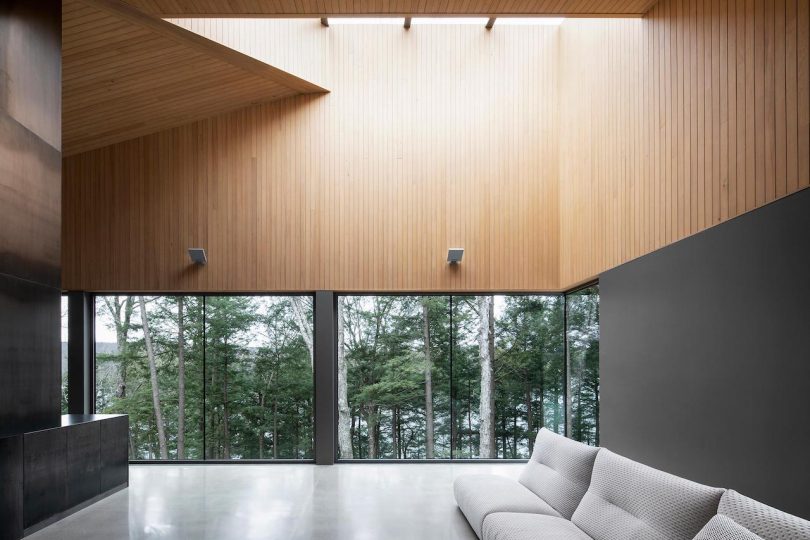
(30,214)
(30,376)
(45,469)
(705,356)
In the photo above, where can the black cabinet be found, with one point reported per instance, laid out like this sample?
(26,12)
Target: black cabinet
(11,487)
(114,452)
(45,469)
(83,462)
(47,474)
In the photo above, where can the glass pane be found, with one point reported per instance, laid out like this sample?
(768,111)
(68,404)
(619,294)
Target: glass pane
(258,371)
(394,377)
(64,353)
(583,364)
(149,365)
(510,350)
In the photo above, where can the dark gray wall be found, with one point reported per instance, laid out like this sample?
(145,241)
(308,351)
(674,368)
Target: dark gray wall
(705,356)
(30,223)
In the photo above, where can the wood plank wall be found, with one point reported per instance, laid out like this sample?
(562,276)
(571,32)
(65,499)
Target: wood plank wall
(431,138)
(676,122)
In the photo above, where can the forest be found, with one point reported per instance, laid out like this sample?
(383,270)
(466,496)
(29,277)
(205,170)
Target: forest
(419,377)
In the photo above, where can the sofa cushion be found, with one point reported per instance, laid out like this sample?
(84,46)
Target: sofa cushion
(631,501)
(512,526)
(762,519)
(725,528)
(479,495)
(559,471)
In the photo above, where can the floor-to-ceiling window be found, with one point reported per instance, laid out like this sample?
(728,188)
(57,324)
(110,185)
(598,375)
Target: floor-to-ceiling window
(583,363)
(258,376)
(207,377)
(457,377)
(223,377)
(394,377)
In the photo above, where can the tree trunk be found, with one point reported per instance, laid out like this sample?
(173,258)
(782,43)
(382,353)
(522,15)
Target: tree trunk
(302,322)
(226,430)
(261,426)
(527,398)
(181,383)
(275,429)
(121,313)
(344,413)
(150,354)
(371,426)
(486,338)
(394,433)
(429,442)
(210,438)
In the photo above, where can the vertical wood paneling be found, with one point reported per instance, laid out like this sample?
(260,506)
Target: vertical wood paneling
(726,119)
(436,137)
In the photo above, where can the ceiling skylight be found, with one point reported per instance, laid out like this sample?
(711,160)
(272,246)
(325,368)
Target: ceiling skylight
(480,21)
(514,21)
(336,21)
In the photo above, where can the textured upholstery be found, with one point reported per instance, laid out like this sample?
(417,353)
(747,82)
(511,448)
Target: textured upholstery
(725,528)
(511,526)
(630,501)
(559,471)
(479,495)
(763,520)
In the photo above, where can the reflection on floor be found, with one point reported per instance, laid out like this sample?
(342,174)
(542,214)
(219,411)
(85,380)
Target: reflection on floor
(223,502)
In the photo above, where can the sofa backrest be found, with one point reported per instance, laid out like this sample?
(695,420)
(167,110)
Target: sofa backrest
(559,471)
(762,519)
(630,501)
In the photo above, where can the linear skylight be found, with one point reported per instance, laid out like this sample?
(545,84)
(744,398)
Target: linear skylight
(515,21)
(480,21)
(335,21)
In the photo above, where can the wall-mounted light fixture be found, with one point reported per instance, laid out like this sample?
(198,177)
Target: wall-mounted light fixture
(454,255)
(197,255)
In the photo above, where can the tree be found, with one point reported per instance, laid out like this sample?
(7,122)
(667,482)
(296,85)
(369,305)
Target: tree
(486,352)
(429,442)
(147,338)
(181,381)
(344,413)
(302,310)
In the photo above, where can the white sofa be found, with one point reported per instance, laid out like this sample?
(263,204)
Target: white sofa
(571,491)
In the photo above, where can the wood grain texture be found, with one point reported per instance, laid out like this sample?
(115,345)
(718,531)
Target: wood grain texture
(432,137)
(127,74)
(676,122)
(328,8)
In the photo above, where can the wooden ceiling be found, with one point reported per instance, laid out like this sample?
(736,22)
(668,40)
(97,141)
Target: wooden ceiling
(127,74)
(325,8)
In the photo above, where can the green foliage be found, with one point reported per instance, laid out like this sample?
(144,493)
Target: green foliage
(243,353)
(248,383)
(385,344)
(583,358)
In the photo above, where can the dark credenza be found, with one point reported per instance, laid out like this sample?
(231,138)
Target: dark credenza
(47,474)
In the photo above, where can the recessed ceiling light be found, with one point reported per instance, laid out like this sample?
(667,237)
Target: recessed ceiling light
(480,21)
(337,21)
(516,21)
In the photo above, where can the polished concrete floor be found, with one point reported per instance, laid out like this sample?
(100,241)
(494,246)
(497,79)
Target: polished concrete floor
(224,502)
